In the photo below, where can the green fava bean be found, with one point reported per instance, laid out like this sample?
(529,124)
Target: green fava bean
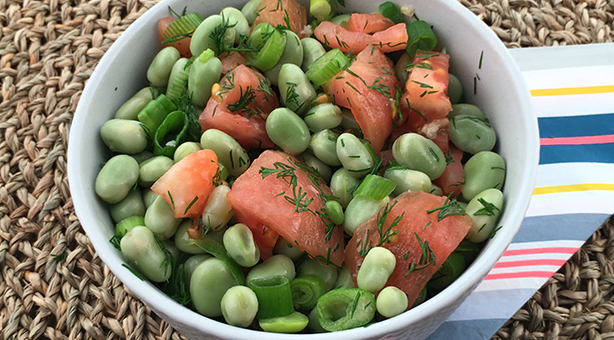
(354,155)
(484,170)
(334,211)
(349,122)
(185,149)
(293,55)
(239,306)
(484,209)
(408,180)
(250,10)
(204,72)
(340,19)
(116,178)
(142,156)
(229,152)
(455,89)
(419,153)
(471,134)
(208,284)
(239,243)
(313,267)
(360,209)
(237,20)
(152,169)
(274,266)
(191,263)
(323,116)
(283,247)
(292,323)
(160,219)
(435,190)
(295,90)
(127,224)
(160,68)
(401,68)
(140,248)
(218,210)
(184,242)
(342,184)
(201,38)
(124,136)
(344,278)
(131,205)
(131,108)
(149,197)
(391,301)
(466,110)
(323,144)
(375,270)
(288,131)
(312,50)
(322,168)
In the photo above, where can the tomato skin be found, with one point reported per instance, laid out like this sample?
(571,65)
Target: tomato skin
(183,45)
(191,177)
(426,90)
(274,12)
(259,201)
(442,236)
(452,180)
(247,128)
(232,59)
(334,36)
(368,23)
(371,109)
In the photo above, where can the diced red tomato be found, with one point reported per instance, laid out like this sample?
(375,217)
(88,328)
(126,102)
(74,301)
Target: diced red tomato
(246,123)
(281,12)
(367,88)
(426,90)
(232,59)
(442,236)
(368,23)
(265,238)
(270,201)
(335,36)
(187,185)
(452,180)
(183,45)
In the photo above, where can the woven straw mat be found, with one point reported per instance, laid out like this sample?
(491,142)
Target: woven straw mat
(48,50)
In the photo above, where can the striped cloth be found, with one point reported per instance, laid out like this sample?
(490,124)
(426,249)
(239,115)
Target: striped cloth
(573,96)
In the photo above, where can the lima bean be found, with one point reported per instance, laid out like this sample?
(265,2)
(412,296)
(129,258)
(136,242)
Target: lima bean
(354,155)
(455,89)
(131,108)
(142,156)
(229,152)
(312,50)
(391,301)
(239,306)
(375,270)
(274,266)
(484,170)
(344,278)
(419,153)
(250,10)
(208,284)
(288,131)
(360,209)
(322,168)
(237,20)
(152,169)
(293,55)
(131,205)
(323,116)
(283,247)
(159,70)
(143,252)
(401,68)
(201,38)
(295,90)
(239,243)
(149,197)
(160,219)
(323,144)
(484,209)
(191,263)
(204,72)
(341,184)
(327,273)
(124,136)
(408,180)
(466,110)
(116,178)
(471,134)
(185,149)
(218,210)
(184,242)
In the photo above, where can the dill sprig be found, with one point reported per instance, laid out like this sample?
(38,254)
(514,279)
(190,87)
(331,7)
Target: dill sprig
(488,210)
(218,35)
(450,207)
(427,257)
(386,233)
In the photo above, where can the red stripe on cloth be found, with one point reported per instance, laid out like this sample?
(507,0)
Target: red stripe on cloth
(546,262)
(519,275)
(557,250)
(603,139)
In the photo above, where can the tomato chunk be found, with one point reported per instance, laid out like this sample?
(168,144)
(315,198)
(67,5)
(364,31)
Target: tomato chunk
(334,36)
(452,180)
(183,45)
(281,12)
(232,59)
(277,192)
(187,185)
(368,23)
(438,237)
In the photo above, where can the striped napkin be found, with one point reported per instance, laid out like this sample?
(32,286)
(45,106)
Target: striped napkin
(573,97)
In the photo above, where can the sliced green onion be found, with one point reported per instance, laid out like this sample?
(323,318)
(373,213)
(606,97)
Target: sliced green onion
(184,25)
(306,290)
(270,43)
(153,114)
(292,323)
(217,250)
(274,296)
(128,223)
(170,134)
(375,187)
(327,66)
(391,11)
(421,37)
(178,80)
(320,9)
(347,308)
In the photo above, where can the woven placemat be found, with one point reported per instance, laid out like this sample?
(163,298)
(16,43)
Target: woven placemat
(53,283)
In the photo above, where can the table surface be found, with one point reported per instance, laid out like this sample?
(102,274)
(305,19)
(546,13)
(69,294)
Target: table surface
(53,283)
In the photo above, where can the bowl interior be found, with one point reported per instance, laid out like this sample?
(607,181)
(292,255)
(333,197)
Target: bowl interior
(477,57)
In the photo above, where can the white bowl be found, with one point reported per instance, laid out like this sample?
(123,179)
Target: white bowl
(501,94)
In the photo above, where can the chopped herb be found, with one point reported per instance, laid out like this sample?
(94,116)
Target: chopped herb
(190,205)
(116,241)
(137,274)
(494,232)
(434,154)
(480,64)
(449,208)
(61,258)
(171,198)
(488,210)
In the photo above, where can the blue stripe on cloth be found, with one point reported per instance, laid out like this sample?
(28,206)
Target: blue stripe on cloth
(467,330)
(594,153)
(567,226)
(576,126)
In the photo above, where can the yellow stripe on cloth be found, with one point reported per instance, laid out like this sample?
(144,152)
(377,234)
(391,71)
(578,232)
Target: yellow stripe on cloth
(566,91)
(573,188)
